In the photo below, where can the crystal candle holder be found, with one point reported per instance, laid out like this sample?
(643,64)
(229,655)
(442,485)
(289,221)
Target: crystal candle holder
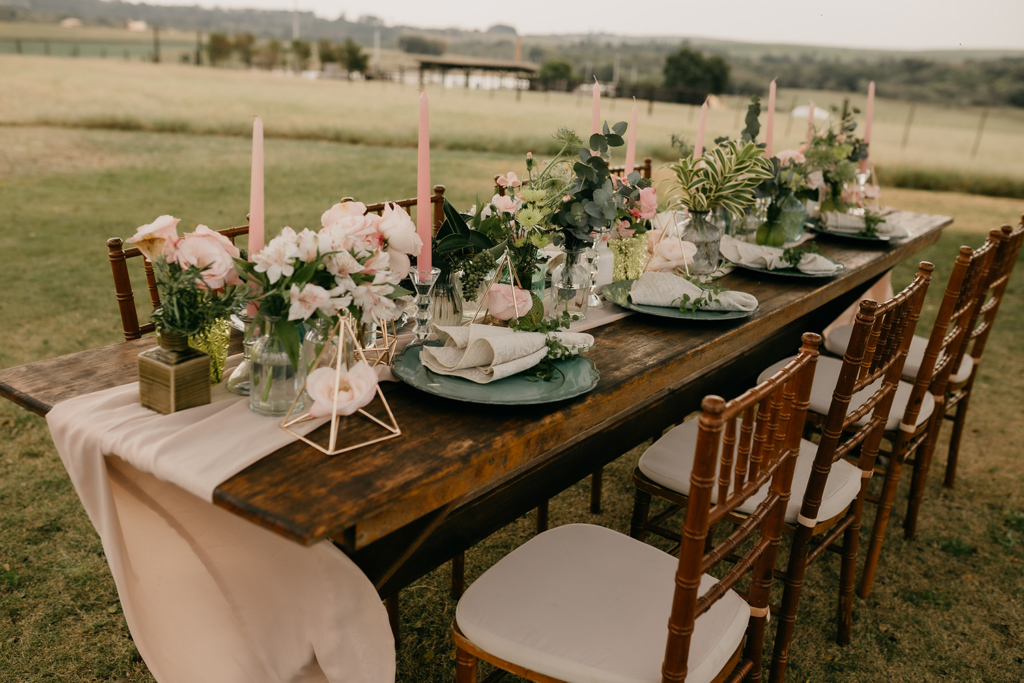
(423,283)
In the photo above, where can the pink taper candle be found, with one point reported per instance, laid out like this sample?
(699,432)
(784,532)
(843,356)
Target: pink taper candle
(869,114)
(256,190)
(595,114)
(424,224)
(810,123)
(769,129)
(631,142)
(698,147)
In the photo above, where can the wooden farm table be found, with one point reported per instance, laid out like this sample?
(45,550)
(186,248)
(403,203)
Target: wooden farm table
(461,471)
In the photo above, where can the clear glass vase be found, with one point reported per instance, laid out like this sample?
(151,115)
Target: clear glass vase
(276,383)
(792,218)
(570,283)
(446,305)
(707,237)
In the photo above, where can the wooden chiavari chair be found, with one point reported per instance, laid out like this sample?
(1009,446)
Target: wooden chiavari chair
(123,285)
(585,603)
(959,394)
(828,491)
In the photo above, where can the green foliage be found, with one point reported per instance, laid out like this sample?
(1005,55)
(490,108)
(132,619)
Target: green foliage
(218,48)
(836,154)
(327,51)
(793,255)
(269,56)
(726,178)
(556,70)
(351,55)
(752,125)
(871,222)
(690,70)
(422,45)
(245,45)
(709,294)
(186,308)
(302,51)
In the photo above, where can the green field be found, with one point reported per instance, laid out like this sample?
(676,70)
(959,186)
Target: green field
(948,606)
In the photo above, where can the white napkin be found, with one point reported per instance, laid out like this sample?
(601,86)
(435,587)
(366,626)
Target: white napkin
(667,289)
(850,223)
(761,256)
(485,353)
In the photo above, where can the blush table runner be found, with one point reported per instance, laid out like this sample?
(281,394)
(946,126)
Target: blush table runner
(207,595)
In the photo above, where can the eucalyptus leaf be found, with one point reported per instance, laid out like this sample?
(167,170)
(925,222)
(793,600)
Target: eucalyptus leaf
(615,140)
(620,128)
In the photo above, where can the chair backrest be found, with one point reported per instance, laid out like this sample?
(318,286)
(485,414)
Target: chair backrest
(877,351)
(1009,241)
(646,171)
(761,448)
(123,285)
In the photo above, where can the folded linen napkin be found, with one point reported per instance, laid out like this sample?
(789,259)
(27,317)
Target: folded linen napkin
(485,353)
(850,223)
(667,289)
(760,256)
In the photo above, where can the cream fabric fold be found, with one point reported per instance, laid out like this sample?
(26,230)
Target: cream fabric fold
(208,596)
(485,353)
(761,256)
(668,289)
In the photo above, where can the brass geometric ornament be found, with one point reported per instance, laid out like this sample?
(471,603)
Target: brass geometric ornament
(344,329)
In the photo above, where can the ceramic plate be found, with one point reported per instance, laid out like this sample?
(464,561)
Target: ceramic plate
(618,293)
(817,227)
(793,272)
(575,377)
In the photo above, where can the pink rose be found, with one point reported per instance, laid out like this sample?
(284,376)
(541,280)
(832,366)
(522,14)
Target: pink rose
(211,250)
(505,302)
(505,204)
(342,210)
(341,392)
(672,253)
(156,237)
(400,232)
(790,156)
(648,203)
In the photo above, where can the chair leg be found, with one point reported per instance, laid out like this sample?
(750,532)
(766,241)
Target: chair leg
(955,437)
(847,577)
(641,509)
(542,517)
(391,604)
(790,601)
(892,481)
(465,667)
(922,466)
(595,491)
(458,575)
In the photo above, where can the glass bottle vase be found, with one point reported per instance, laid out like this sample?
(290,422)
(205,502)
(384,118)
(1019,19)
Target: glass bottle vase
(792,218)
(446,305)
(707,237)
(276,382)
(570,284)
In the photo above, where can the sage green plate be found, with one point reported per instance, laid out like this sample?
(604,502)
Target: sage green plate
(816,226)
(793,272)
(575,377)
(618,293)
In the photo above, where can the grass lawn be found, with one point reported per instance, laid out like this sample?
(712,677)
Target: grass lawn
(947,606)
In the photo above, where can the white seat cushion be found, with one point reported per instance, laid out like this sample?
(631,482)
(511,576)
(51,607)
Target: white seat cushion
(586,604)
(670,460)
(826,375)
(839,338)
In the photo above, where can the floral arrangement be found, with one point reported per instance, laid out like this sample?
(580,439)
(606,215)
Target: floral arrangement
(835,153)
(194,274)
(791,179)
(726,176)
(351,266)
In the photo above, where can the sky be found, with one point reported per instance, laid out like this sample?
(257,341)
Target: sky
(889,24)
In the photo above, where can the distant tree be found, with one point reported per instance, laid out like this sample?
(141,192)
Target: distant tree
(502,28)
(326,51)
(302,51)
(422,45)
(689,70)
(245,46)
(353,57)
(219,48)
(556,70)
(269,55)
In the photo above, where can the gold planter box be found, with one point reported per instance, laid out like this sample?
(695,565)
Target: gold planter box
(173,379)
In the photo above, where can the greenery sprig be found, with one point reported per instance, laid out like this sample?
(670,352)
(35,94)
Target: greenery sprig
(186,309)
(709,294)
(871,222)
(726,178)
(793,255)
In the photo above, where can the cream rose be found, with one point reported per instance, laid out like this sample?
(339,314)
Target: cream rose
(505,302)
(211,250)
(341,392)
(156,237)
(342,210)
(399,230)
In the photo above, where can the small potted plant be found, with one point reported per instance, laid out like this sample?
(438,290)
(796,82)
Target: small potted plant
(725,177)
(197,283)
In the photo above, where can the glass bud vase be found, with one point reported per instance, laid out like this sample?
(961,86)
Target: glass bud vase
(446,306)
(707,237)
(570,283)
(276,383)
(792,218)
